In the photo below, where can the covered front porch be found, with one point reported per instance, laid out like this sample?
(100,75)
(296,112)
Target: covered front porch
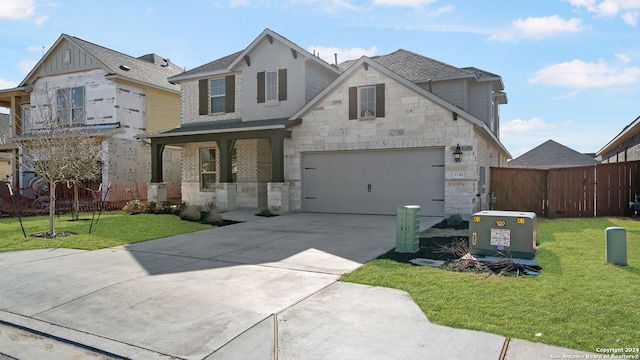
(17,101)
(232,163)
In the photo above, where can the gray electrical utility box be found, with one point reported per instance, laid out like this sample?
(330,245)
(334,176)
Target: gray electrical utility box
(503,233)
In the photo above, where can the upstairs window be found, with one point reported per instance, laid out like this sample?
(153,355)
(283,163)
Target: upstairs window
(272,86)
(26,118)
(70,102)
(271,83)
(217,93)
(367,102)
(217,96)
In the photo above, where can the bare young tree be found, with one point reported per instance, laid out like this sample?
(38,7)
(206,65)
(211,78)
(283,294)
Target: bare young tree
(84,154)
(57,149)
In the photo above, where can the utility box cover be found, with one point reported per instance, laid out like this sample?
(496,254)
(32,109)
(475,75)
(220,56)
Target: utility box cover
(408,229)
(503,233)
(616,245)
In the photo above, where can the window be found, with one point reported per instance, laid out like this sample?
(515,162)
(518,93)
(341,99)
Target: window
(368,102)
(70,103)
(271,89)
(272,86)
(217,93)
(207,168)
(217,96)
(26,114)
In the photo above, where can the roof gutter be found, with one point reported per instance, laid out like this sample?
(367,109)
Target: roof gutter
(128,79)
(212,131)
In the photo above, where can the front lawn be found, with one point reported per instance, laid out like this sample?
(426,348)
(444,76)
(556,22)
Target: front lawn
(578,301)
(114,228)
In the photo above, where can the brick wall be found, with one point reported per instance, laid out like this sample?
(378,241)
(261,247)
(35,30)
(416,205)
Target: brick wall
(189,103)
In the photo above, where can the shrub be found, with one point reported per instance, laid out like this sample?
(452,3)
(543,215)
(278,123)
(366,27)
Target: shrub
(455,220)
(136,207)
(213,218)
(191,213)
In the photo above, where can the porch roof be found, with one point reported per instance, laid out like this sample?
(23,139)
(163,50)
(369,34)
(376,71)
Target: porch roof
(224,126)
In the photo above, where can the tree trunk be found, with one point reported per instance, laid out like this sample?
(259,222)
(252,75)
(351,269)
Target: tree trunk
(76,202)
(52,209)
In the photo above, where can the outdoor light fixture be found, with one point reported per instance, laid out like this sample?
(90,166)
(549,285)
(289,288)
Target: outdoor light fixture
(457,154)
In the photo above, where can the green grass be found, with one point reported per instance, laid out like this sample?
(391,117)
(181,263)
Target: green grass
(578,301)
(114,228)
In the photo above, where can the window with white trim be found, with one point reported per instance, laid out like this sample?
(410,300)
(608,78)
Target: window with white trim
(367,102)
(208,169)
(217,92)
(71,107)
(271,85)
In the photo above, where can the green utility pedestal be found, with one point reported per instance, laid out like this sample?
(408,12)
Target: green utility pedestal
(408,229)
(616,245)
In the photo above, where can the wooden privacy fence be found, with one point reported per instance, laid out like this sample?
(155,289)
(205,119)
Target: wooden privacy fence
(590,191)
(30,201)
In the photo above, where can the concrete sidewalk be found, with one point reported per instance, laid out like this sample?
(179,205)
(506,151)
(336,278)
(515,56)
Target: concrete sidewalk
(252,290)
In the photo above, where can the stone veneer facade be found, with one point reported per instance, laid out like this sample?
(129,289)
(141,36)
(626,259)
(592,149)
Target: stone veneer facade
(411,121)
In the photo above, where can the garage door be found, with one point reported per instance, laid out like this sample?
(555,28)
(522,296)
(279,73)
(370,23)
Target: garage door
(373,182)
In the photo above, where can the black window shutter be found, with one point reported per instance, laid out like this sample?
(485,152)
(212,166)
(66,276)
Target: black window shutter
(353,103)
(204,96)
(261,87)
(282,84)
(380,100)
(230,94)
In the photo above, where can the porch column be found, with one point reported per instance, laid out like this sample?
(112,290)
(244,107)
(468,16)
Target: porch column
(156,162)
(225,146)
(277,158)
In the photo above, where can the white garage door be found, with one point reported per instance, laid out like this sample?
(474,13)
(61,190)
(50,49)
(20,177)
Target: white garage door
(373,182)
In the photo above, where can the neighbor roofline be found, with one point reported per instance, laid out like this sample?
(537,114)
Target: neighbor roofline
(624,135)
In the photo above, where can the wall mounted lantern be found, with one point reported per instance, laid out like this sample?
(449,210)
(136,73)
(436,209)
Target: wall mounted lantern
(457,154)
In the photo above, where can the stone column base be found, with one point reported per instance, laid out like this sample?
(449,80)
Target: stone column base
(226,196)
(157,192)
(278,197)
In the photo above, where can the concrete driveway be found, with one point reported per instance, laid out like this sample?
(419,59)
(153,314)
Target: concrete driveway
(263,289)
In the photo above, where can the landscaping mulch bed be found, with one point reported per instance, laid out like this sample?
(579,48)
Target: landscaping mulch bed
(450,243)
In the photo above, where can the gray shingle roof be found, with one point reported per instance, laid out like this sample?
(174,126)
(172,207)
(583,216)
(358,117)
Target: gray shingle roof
(141,70)
(415,67)
(215,65)
(550,154)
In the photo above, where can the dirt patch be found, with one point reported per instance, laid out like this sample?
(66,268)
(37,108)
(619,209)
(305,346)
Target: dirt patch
(46,235)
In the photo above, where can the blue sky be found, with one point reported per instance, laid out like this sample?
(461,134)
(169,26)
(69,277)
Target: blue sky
(571,68)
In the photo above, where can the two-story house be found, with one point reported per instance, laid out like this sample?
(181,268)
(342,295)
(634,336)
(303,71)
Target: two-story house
(115,96)
(275,126)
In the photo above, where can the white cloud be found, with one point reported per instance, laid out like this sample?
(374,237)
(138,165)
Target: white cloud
(519,126)
(630,17)
(40,20)
(403,3)
(328,53)
(26,66)
(6,84)
(239,3)
(584,75)
(538,28)
(607,8)
(624,58)
(17,9)
(332,6)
